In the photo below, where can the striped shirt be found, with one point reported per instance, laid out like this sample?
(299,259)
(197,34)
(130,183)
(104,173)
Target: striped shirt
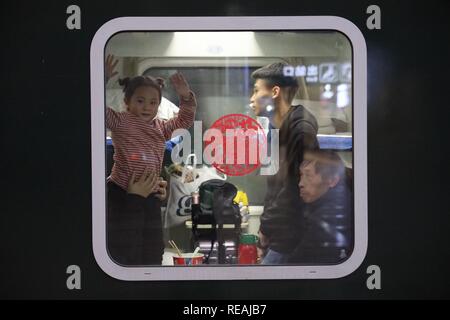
(139,144)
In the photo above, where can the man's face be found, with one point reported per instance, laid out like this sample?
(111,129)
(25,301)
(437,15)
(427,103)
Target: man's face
(311,184)
(144,103)
(261,99)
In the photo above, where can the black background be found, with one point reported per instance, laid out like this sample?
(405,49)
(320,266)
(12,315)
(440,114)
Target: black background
(46,159)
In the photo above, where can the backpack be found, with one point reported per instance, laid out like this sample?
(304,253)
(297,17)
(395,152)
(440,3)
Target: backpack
(217,208)
(216,203)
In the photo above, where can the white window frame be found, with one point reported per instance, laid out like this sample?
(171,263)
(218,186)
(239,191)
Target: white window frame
(219,272)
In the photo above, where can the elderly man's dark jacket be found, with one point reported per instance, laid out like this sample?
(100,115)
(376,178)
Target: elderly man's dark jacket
(327,235)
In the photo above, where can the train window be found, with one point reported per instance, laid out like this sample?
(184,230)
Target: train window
(258,129)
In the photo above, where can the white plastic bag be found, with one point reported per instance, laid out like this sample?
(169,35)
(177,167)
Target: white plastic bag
(178,208)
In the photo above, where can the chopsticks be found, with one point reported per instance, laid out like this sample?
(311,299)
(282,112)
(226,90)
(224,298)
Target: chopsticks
(174,245)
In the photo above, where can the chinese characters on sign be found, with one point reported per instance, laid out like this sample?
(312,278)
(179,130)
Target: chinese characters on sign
(322,73)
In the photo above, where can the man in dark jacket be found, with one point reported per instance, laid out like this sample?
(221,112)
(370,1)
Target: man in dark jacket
(327,225)
(281,225)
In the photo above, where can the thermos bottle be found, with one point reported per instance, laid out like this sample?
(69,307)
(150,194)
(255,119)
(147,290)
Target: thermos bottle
(247,249)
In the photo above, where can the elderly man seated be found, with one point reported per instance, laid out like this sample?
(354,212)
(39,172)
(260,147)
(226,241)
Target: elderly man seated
(327,233)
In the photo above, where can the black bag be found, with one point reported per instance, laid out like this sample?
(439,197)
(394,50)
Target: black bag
(217,208)
(216,204)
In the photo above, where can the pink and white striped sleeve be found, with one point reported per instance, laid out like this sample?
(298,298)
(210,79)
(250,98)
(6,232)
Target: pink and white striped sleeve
(184,119)
(113,118)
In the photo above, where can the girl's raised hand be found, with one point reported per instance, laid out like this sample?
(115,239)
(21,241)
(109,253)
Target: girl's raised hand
(181,86)
(110,66)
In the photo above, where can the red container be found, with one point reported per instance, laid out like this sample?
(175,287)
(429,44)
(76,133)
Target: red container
(188,259)
(247,249)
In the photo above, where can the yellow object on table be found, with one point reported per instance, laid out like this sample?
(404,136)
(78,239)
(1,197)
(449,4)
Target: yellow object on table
(241,197)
